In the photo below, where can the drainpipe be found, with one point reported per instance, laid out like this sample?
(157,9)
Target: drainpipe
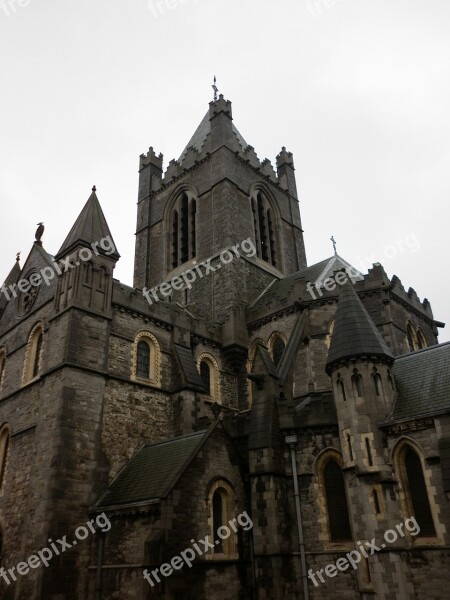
(291,440)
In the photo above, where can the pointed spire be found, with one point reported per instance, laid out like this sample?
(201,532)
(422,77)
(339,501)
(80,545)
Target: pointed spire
(90,227)
(13,277)
(355,334)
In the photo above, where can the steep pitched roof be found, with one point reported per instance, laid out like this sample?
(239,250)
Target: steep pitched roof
(354,333)
(200,136)
(90,226)
(154,470)
(316,274)
(13,277)
(422,379)
(188,367)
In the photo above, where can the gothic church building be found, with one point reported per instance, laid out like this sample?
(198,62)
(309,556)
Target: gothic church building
(324,417)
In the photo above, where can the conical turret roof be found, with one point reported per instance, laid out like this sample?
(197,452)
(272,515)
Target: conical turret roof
(354,333)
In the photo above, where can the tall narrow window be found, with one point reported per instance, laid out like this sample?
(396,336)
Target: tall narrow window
(265,229)
(143,360)
(377,383)
(184,254)
(341,389)
(183,229)
(37,356)
(218,520)
(262,229)
(4,444)
(412,342)
(33,354)
(205,374)
(277,350)
(2,365)
(376,502)
(255,225)
(369,452)
(272,250)
(421,342)
(175,239)
(146,358)
(418,493)
(336,498)
(350,447)
(357,384)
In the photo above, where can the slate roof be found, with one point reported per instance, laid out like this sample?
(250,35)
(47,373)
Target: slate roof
(423,382)
(153,471)
(316,274)
(354,333)
(90,226)
(202,132)
(189,367)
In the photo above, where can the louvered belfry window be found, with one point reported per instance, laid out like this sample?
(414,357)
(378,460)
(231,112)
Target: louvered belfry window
(183,230)
(338,517)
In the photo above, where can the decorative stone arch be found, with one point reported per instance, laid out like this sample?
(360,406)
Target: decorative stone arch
(221,506)
(154,358)
(272,345)
(2,365)
(5,435)
(214,374)
(326,512)
(33,353)
(266,224)
(180,226)
(399,453)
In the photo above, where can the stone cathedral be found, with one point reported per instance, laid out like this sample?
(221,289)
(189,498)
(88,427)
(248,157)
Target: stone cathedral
(231,378)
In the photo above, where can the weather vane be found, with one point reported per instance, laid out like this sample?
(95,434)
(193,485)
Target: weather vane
(334,243)
(215,88)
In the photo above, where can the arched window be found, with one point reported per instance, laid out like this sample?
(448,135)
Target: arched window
(278,347)
(143,360)
(357,384)
(336,501)
(417,492)
(209,372)
(265,229)
(218,518)
(33,354)
(421,341)
(412,341)
(221,500)
(391,381)
(4,444)
(377,383)
(205,373)
(369,452)
(146,358)
(341,389)
(2,365)
(376,502)
(183,229)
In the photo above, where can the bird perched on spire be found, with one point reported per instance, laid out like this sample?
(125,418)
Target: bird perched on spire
(39,232)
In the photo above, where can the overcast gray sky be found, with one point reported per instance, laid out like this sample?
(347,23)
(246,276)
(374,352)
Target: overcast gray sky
(358,90)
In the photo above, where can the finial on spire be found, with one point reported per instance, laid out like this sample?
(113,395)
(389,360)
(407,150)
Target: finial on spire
(334,244)
(18,256)
(94,189)
(215,88)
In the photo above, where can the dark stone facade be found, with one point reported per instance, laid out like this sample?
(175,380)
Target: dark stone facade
(75,425)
